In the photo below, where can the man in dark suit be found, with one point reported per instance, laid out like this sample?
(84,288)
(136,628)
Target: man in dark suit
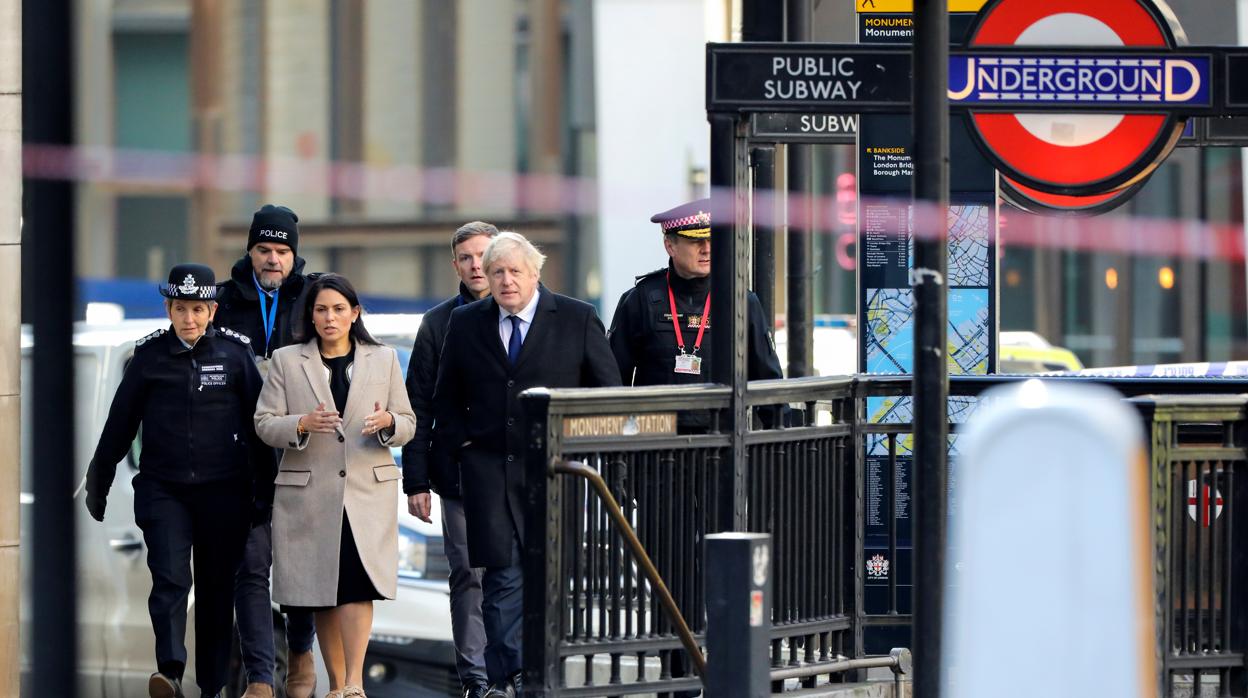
(522,336)
(426,465)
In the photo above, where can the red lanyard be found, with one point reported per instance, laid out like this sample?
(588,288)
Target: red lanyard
(706,312)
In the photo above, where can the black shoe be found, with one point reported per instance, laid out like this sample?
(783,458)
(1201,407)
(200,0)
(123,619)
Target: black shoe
(476,690)
(161,686)
(508,688)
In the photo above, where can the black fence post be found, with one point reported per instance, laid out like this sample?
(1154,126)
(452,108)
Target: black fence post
(763,160)
(543,602)
(729,277)
(738,614)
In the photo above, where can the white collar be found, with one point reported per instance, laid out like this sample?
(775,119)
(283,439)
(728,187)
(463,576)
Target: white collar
(527,313)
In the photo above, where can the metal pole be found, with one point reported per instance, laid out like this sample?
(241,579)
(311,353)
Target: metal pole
(47,79)
(931,197)
(729,276)
(738,614)
(763,158)
(800,239)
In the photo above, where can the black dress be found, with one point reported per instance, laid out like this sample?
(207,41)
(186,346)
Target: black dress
(353,582)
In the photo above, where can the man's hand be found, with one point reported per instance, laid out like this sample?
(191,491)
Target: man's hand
(378,420)
(321,420)
(420,505)
(95,505)
(261,514)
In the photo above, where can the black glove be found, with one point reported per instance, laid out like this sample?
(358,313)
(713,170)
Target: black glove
(95,505)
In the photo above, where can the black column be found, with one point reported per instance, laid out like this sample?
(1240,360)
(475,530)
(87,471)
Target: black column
(931,194)
(800,240)
(763,160)
(729,277)
(48,242)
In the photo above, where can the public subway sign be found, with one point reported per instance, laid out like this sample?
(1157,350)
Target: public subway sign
(795,77)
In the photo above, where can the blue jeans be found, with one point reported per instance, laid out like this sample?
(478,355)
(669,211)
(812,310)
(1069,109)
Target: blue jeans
(254,607)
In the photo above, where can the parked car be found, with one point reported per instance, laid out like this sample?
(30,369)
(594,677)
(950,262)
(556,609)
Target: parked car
(411,653)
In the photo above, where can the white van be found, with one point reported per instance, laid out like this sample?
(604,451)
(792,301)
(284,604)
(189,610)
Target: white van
(411,653)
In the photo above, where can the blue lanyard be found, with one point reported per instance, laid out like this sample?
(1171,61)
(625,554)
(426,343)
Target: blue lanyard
(269,316)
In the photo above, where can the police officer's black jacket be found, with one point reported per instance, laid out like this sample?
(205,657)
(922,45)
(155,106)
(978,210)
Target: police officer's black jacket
(196,407)
(238,307)
(426,463)
(644,341)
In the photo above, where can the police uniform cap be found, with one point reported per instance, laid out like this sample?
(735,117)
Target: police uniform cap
(191,282)
(691,220)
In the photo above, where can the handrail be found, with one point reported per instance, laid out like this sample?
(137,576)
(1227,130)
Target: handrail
(643,560)
(899,661)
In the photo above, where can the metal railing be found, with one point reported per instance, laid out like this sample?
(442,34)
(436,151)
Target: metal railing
(1197,475)
(597,626)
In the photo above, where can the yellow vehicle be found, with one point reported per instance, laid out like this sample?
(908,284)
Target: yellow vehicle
(1028,352)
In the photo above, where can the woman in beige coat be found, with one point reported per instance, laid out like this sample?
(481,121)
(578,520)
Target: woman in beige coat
(336,404)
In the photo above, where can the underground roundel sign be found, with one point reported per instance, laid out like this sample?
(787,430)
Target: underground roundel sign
(1056,156)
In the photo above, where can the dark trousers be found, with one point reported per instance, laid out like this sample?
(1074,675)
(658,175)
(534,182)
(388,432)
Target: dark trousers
(502,608)
(254,607)
(210,522)
(466,625)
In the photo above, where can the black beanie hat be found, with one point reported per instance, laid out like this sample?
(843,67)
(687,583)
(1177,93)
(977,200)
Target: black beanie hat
(276,224)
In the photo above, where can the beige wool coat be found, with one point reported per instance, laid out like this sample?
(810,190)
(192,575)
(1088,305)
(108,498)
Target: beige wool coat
(321,476)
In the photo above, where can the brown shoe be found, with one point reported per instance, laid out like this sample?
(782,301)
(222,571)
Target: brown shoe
(258,690)
(300,675)
(161,686)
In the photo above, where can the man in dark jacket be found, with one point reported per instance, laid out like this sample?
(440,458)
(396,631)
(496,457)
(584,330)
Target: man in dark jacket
(522,336)
(193,389)
(660,335)
(260,301)
(427,466)
(661,330)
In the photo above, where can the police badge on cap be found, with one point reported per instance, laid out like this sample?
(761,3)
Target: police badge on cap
(691,220)
(190,282)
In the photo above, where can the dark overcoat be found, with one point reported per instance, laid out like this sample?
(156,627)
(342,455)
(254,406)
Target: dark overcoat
(479,415)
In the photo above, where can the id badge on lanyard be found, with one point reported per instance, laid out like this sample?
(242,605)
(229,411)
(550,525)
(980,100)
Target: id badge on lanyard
(686,363)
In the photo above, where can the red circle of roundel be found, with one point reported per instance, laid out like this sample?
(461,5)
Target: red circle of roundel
(1115,161)
(1043,203)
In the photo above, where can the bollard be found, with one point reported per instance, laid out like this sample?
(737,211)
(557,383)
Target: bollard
(738,614)
(1050,568)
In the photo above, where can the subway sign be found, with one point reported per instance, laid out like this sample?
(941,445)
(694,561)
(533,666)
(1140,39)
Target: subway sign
(1075,102)
(1149,81)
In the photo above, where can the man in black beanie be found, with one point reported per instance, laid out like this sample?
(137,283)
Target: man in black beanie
(258,301)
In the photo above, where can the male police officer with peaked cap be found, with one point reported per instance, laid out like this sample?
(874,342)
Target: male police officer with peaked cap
(660,334)
(193,389)
(661,330)
(259,300)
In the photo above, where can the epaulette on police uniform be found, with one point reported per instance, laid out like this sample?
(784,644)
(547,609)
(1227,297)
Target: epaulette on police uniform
(240,338)
(647,275)
(154,335)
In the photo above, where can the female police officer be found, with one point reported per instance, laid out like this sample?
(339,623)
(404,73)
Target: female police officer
(203,479)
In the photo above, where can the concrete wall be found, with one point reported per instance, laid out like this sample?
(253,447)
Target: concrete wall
(10,333)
